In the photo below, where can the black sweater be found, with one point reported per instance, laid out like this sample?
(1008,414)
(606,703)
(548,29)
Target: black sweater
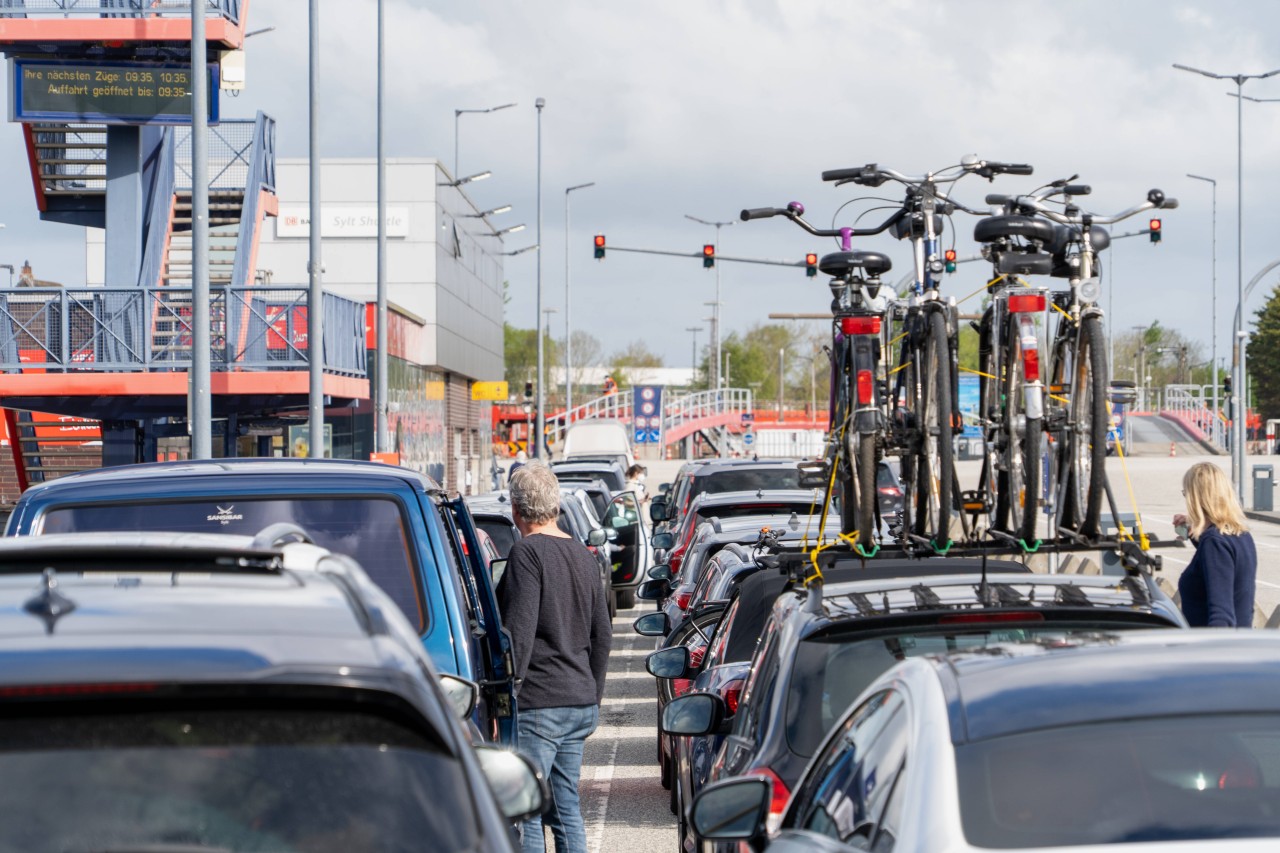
(1217,587)
(553,604)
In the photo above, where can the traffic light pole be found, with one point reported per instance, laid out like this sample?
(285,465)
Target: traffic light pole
(701,256)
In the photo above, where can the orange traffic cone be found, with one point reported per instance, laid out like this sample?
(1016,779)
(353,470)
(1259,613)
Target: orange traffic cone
(1173,449)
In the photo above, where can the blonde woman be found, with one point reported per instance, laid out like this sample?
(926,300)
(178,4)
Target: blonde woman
(1217,587)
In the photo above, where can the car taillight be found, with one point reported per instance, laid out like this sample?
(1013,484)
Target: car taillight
(781,793)
(989,616)
(682,599)
(860,325)
(681,686)
(866,385)
(1026,303)
(891,491)
(733,693)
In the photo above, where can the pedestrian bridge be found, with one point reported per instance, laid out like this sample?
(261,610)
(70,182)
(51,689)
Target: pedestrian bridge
(682,414)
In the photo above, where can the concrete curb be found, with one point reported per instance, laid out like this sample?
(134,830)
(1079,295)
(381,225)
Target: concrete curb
(1271,517)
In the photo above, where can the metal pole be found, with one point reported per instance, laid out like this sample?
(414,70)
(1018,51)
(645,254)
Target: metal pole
(781,365)
(568,322)
(694,362)
(716,312)
(457,116)
(315,296)
(201,404)
(381,438)
(540,419)
(1237,386)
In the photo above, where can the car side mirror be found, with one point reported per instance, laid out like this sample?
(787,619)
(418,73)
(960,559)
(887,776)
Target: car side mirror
(694,714)
(664,540)
(463,695)
(669,663)
(661,573)
(658,510)
(664,488)
(653,590)
(733,810)
(597,537)
(652,625)
(520,791)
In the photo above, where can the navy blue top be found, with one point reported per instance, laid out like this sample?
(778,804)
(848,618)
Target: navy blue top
(1217,587)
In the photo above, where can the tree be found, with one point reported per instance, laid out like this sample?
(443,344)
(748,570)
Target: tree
(520,348)
(631,360)
(1264,358)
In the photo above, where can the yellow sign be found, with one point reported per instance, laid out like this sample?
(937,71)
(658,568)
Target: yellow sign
(493,391)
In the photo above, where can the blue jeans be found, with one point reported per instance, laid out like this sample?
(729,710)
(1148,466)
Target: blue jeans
(552,738)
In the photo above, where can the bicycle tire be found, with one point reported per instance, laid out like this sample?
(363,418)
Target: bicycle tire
(841,441)
(989,402)
(1087,443)
(867,495)
(935,466)
(1021,464)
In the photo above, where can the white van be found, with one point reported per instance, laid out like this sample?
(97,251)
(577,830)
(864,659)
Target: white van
(599,440)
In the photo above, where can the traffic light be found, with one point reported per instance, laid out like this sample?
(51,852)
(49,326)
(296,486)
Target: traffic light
(1155,231)
(950,256)
(811,265)
(1226,383)
(708,256)
(528,390)
(599,247)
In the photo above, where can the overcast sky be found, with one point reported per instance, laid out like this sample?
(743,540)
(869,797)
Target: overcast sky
(685,107)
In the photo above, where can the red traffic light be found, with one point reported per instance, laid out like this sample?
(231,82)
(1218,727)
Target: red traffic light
(811,259)
(708,251)
(1155,225)
(949,255)
(599,241)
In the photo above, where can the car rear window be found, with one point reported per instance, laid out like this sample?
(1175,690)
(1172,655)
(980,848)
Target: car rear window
(250,780)
(756,508)
(716,482)
(1186,778)
(831,670)
(501,531)
(371,530)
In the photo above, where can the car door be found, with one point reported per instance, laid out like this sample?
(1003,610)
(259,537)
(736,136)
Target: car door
(623,516)
(754,709)
(848,792)
(498,686)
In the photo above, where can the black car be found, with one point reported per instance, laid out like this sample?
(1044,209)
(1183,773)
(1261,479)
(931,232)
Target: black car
(824,645)
(1118,741)
(201,692)
(715,476)
(586,470)
(492,514)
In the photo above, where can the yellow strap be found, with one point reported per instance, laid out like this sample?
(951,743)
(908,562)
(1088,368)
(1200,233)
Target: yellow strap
(896,369)
(1057,308)
(898,338)
(978,372)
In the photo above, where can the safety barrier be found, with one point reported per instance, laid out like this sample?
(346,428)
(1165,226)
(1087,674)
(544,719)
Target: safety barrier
(149,328)
(229,9)
(1186,403)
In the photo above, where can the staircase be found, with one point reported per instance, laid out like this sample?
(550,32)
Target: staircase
(69,170)
(43,449)
(171,331)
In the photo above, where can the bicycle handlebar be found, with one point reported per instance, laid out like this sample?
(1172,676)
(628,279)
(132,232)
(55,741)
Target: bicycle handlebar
(795,212)
(871,175)
(761,213)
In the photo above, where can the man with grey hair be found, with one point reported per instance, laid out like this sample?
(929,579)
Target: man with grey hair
(554,607)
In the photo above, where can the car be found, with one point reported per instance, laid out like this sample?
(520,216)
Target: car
(713,476)
(823,645)
(578,519)
(207,691)
(889,488)
(611,473)
(619,513)
(418,543)
(1145,740)
(492,514)
(599,439)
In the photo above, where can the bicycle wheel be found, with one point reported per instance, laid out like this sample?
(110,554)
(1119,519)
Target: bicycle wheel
(989,388)
(840,445)
(935,472)
(1019,495)
(867,495)
(1086,445)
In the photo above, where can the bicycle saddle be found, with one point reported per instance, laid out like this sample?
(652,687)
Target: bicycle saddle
(842,264)
(1028,227)
(1064,235)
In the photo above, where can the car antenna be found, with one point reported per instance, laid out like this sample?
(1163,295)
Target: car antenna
(49,605)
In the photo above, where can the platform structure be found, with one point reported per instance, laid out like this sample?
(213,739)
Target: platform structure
(102,91)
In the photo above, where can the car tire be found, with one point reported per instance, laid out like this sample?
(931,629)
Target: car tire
(613,603)
(665,765)
(626,598)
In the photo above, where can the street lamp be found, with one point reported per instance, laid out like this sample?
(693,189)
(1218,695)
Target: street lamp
(1237,385)
(1213,337)
(568,322)
(715,326)
(457,114)
(513,229)
(539,104)
(546,330)
(694,329)
(504,209)
(478,176)
(520,251)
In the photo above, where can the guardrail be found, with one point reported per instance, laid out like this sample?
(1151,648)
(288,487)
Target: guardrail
(1187,404)
(261,175)
(135,329)
(229,9)
(232,145)
(705,404)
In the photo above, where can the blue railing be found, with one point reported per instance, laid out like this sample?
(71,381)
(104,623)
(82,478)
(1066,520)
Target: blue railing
(158,178)
(132,329)
(229,9)
(262,175)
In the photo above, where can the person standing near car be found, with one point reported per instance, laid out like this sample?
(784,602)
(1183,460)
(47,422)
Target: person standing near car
(553,605)
(1217,587)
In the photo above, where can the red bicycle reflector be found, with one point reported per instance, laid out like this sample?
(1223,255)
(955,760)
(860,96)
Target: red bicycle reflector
(1031,364)
(860,325)
(949,255)
(866,387)
(988,616)
(1026,303)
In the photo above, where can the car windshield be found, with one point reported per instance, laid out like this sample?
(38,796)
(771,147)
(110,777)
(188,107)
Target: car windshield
(247,780)
(1194,777)
(715,482)
(369,530)
(831,670)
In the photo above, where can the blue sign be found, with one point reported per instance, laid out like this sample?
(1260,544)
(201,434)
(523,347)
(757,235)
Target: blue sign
(969,403)
(109,92)
(748,438)
(748,417)
(646,413)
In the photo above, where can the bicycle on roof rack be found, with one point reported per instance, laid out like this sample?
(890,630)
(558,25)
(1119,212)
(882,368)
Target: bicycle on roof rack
(1065,243)
(915,416)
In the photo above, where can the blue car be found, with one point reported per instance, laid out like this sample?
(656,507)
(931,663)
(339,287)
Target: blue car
(418,545)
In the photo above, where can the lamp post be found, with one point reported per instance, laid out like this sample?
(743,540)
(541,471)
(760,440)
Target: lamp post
(1237,385)
(381,437)
(568,320)
(540,418)
(457,114)
(715,326)
(782,354)
(1213,337)
(694,362)
(198,391)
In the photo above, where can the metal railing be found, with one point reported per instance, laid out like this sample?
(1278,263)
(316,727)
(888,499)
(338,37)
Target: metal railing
(705,404)
(1187,404)
(72,158)
(609,407)
(159,209)
(261,175)
(134,329)
(231,146)
(229,9)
